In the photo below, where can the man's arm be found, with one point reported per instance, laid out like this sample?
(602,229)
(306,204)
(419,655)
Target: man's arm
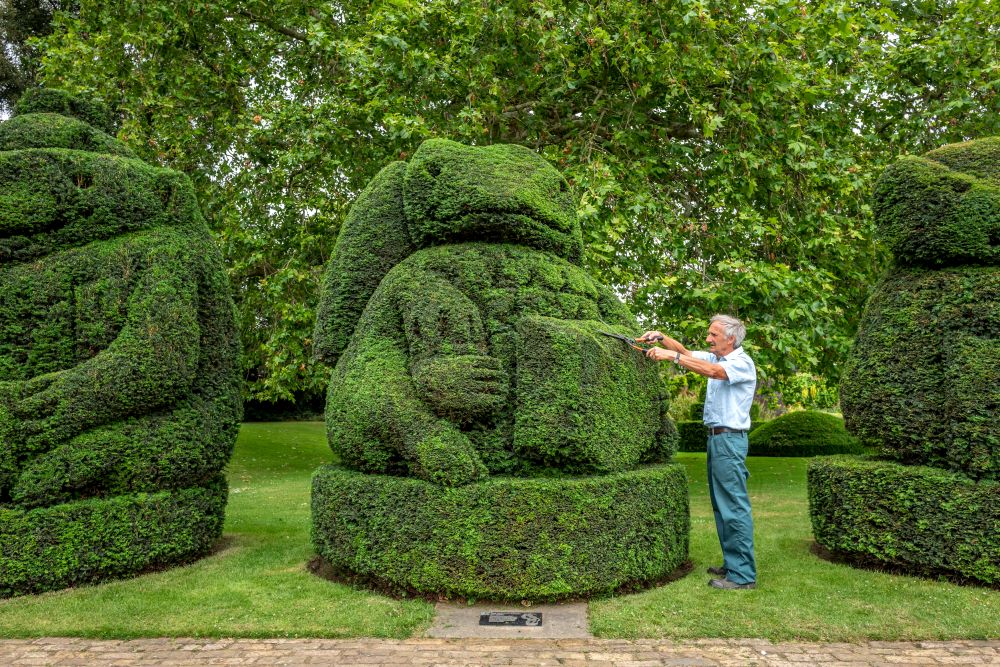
(682,356)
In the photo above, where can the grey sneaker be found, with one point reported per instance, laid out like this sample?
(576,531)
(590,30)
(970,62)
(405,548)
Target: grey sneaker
(720,571)
(727,585)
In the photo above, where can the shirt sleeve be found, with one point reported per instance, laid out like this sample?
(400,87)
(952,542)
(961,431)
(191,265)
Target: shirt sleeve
(739,368)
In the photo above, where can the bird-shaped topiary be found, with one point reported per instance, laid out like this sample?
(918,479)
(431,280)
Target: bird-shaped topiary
(922,383)
(468,352)
(120,393)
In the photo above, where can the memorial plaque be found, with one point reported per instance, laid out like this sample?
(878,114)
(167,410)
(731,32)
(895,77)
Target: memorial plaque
(514,618)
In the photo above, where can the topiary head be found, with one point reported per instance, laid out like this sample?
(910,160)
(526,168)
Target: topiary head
(500,193)
(943,209)
(64,181)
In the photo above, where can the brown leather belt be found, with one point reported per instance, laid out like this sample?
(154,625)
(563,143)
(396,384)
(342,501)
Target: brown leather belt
(716,430)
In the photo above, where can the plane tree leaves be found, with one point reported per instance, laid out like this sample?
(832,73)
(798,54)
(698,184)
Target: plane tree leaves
(722,151)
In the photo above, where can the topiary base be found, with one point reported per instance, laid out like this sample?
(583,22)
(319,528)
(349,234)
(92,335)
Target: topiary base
(923,520)
(504,538)
(92,540)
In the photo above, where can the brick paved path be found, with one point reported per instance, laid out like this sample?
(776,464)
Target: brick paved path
(465,652)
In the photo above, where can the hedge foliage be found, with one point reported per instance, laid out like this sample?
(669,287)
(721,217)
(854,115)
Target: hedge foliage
(924,520)
(468,346)
(803,433)
(118,349)
(51,100)
(88,541)
(922,383)
(476,355)
(943,208)
(504,538)
(923,380)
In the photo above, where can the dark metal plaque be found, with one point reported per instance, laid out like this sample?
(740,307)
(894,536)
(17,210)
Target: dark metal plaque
(515,618)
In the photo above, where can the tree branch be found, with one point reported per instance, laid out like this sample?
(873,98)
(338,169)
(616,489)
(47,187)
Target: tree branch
(267,23)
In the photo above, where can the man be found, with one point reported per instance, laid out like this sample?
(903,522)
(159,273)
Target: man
(732,379)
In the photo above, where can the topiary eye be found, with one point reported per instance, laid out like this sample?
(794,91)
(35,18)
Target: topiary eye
(563,186)
(434,169)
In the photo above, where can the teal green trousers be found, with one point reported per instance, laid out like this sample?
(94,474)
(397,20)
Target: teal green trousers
(727,487)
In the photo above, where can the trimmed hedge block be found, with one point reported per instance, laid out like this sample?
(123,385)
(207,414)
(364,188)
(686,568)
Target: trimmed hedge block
(578,398)
(89,541)
(504,538)
(803,433)
(925,520)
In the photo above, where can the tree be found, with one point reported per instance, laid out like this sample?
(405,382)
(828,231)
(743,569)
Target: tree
(20,21)
(722,151)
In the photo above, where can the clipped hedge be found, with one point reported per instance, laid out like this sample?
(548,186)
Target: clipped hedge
(89,541)
(51,100)
(922,382)
(924,520)
(119,369)
(476,355)
(803,433)
(937,403)
(942,208)
(504,538)
(472,379)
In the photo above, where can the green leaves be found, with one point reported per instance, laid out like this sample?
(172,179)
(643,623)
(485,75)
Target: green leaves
(726,146)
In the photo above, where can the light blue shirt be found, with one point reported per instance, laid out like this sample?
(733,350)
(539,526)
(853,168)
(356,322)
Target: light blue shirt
(727,402)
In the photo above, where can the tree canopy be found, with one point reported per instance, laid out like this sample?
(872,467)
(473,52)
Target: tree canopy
(722,151)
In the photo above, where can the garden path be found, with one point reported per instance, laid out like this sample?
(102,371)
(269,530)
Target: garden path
(179,652)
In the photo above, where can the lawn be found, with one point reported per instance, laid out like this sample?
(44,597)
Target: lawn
(256,584)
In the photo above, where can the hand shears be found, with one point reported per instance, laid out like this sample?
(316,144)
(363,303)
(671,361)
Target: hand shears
(631,342)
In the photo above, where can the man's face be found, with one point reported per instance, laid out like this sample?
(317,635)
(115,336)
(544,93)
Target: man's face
(718,343)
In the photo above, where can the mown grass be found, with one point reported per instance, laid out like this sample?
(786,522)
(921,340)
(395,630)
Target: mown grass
(256,584)
(799,595)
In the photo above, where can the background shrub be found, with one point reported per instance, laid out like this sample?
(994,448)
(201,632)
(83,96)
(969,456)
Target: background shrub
(924,520)
(803,433)
(693,437)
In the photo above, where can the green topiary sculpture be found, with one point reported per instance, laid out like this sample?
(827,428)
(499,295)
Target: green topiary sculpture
(120,392)
(495,444)
(803,433)
(923,381)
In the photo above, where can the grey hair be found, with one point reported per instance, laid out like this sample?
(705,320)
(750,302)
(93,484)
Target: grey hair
(732,328)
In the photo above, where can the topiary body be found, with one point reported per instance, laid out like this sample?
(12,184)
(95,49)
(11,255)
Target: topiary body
(803,433)
(466,341)
(118,355)
(922,383)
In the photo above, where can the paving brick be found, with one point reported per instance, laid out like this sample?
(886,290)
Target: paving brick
(184,652)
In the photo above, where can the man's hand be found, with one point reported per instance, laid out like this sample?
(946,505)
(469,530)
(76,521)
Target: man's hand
(651,337)
(659,354)
(665,341)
